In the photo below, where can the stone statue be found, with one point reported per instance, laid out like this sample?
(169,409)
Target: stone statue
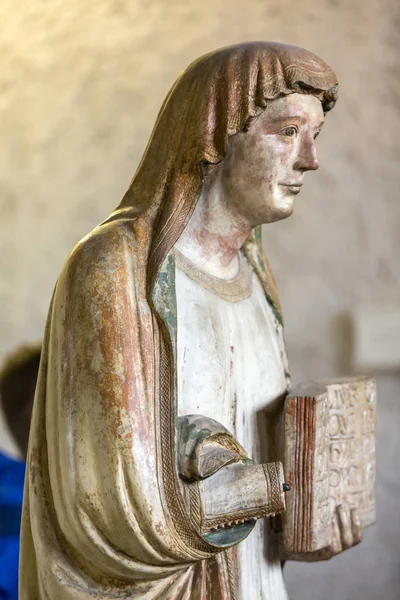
(154,461)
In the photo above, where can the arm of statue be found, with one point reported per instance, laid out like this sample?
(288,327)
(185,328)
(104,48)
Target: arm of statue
(223,488)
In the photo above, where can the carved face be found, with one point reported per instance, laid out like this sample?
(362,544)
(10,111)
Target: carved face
(263,169)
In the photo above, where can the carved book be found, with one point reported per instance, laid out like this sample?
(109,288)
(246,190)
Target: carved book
(329,460)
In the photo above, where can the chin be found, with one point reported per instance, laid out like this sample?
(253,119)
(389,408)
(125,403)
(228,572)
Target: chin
(282,211)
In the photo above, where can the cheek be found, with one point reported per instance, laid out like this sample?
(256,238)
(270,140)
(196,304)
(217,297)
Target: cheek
(241,166)
(255,164)
(279,158)
(268,165)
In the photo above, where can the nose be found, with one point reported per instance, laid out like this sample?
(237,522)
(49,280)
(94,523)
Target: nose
(307,158)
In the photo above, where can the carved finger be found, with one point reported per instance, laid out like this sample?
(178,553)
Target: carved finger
(345,526)
(336,545)
(356,526)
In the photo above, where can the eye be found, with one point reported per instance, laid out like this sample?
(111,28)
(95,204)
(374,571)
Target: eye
(316,135)
(290,131)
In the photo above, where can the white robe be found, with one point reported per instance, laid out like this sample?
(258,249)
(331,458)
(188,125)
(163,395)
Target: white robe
(230,369)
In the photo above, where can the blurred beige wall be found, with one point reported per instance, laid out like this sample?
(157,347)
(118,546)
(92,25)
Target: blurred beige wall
(81,84)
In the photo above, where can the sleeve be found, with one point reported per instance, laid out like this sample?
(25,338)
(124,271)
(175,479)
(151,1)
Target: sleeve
(223,487)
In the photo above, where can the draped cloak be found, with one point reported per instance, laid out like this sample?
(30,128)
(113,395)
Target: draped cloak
(104,513)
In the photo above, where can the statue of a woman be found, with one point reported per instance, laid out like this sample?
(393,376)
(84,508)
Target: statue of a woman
(152,461)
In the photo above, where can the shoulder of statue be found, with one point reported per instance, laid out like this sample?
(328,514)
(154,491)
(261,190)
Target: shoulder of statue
(111,255)
(106,246)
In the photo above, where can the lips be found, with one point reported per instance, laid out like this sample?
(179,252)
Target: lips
(292,187)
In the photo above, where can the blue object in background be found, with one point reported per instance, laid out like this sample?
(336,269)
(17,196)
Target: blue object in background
(12,474)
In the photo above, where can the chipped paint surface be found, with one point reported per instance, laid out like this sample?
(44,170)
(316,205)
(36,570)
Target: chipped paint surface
(104,511)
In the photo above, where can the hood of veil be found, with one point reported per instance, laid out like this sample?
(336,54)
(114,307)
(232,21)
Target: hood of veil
(212,100)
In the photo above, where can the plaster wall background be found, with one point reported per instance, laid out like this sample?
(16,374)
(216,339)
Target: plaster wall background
(81,84)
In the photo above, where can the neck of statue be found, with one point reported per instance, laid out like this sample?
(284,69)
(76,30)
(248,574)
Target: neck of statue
(214,234)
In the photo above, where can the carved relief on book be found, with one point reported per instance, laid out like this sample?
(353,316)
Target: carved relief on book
(330,463)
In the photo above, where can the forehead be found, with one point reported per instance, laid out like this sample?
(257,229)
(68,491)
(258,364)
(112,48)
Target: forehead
(303,106)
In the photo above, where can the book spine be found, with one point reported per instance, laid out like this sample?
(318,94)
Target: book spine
(306,463)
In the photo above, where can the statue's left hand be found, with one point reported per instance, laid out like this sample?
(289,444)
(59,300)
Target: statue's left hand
(346,530)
